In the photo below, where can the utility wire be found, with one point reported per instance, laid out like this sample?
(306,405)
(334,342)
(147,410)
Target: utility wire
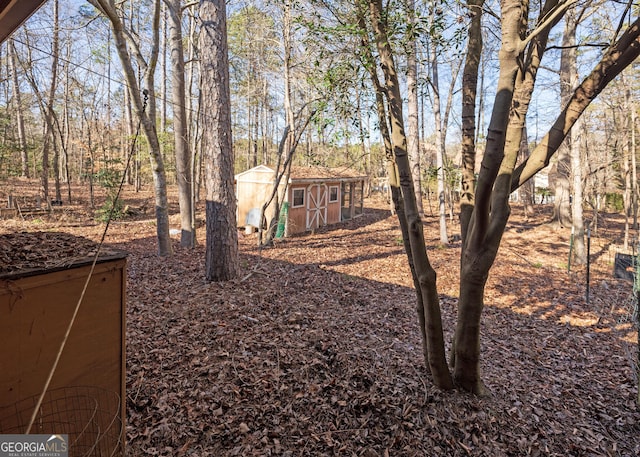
(97,73)
(86,283)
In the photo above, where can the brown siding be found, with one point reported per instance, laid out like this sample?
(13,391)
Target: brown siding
(34,314)
(333,213)
(254,186)
(333,208)
(297,222)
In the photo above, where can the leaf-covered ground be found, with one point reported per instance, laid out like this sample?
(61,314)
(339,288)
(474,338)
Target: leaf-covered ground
(314,350)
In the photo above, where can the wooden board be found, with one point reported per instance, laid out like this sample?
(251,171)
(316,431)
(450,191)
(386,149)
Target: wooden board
(34,315)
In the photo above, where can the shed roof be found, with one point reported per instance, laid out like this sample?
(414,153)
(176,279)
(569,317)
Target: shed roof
(316,172)
(311,173)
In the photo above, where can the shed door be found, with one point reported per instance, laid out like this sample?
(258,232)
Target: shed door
(317,195)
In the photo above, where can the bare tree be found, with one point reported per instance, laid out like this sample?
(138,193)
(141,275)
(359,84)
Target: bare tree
(126,46)
(17,99)
(180,126)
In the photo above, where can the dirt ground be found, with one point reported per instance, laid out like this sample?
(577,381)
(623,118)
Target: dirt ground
(314,350)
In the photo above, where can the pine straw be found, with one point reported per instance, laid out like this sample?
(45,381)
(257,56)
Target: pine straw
(315,351)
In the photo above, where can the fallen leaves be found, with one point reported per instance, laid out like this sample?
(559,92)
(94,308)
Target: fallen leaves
(24,252)
(315,351)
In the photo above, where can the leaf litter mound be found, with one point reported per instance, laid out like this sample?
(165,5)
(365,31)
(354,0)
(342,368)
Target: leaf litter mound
(314,350)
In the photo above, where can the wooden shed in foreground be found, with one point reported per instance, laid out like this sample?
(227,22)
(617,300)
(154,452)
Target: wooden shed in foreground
(315,196)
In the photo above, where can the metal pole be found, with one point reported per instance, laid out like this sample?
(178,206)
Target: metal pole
(588,259)
(636,311)
(570,249)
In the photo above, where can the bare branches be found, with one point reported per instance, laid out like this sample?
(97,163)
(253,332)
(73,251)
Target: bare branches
(619,56)
(554,16)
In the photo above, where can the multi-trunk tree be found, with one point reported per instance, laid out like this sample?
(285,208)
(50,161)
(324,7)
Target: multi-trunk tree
(486,205)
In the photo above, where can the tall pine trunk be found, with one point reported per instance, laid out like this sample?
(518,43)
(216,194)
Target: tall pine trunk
(221,261)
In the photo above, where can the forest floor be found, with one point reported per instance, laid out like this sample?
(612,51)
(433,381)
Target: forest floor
(315,351)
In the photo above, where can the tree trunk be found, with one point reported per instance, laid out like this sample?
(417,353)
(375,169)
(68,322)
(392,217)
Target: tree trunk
(65,133)
(394,182)
(469,96)
(561,204)
(413,132)
(193,116)
(490,213)
(526,192)
(56,167)
(49,133)
(569,82)
(91,167)
(579,249)
(127,133)
(165,5)
(180,127)
(440,146)
(561,172)
(51,114)
(634,169)
(425,273)
(17,97)
(221,261)
(147,116)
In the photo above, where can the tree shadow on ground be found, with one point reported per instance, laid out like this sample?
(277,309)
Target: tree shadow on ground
(296,355)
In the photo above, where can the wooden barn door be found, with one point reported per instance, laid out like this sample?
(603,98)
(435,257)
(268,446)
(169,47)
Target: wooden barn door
(317,195)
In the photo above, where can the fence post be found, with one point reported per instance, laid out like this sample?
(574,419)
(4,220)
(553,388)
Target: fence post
(570,249)
(636,313)
(588,260)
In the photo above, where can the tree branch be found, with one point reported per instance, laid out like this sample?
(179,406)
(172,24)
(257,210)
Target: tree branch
(578,46)
(551,20)
(617,58)
(622,19)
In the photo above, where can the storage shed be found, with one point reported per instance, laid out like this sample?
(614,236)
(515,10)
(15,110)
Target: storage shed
(315,196)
